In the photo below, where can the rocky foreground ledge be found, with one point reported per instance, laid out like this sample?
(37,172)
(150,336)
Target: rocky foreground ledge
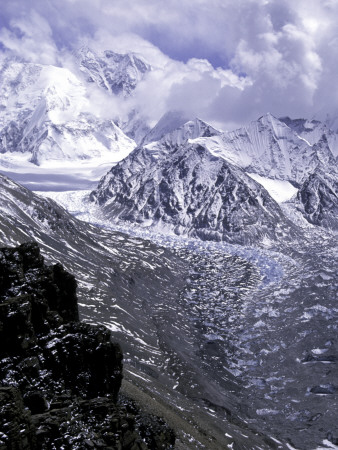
(60,378)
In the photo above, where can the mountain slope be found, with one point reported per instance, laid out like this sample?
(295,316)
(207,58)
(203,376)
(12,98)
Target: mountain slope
(189,191)
(317,199)
(117,73)
(269,148)
(50,363)
(122,284)
(46,116)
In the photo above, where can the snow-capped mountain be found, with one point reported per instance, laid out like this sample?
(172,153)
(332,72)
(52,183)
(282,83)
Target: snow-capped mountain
(156,185)
(173,129)
(169,122)
(190,191)
(313,131)
(117,73)
(270,148)
(46,117)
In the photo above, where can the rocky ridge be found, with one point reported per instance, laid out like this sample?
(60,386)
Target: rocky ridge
(270,148)
(115,72)
(317,199)
(60,378)
(159,186)
(190,191)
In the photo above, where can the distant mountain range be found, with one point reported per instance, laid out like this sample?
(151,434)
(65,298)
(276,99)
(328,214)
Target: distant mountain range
(183,175)
(198,181)
(210,255)
(47,113)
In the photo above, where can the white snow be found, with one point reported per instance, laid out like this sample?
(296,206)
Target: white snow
(281,191)
(319,351)
(327,444)
(62,132)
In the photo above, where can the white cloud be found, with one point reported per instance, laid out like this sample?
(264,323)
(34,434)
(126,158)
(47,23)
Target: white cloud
(30,38)
(225,61)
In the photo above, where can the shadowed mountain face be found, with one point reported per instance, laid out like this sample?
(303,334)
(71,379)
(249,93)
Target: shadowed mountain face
(65,373)
(317,199)
(191,192)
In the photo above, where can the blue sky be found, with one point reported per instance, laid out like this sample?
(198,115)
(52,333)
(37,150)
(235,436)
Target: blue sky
(287,50)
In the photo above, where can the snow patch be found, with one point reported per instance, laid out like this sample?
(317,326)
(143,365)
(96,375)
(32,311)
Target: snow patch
(281,191)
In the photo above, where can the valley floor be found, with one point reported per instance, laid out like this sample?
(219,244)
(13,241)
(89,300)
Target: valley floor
(246,336)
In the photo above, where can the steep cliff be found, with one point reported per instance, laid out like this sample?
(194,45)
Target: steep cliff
(60,378)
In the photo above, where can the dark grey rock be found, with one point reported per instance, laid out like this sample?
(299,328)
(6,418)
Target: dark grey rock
(191,192)
(60,378)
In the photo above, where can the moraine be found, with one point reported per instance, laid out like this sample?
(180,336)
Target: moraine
(255,340)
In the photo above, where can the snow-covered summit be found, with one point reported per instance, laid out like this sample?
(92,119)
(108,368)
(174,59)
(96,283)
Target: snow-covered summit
(177,135)
(270,148)
(46,117)
(117,73)
(189,191)
(169,122)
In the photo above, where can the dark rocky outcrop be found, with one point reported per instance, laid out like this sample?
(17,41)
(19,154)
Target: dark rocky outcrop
(60,378)
(317,199)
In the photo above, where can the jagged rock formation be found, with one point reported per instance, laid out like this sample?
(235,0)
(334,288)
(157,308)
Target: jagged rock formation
(189,191)
(270,148)
(317,199)
(117,73)
(59,377)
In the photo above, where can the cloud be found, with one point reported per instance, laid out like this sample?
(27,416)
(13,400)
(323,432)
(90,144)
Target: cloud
(226,61)
(30,38)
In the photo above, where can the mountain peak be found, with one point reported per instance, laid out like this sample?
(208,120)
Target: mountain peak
(170,121)
(118,73)
(189,191)
(269,119)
